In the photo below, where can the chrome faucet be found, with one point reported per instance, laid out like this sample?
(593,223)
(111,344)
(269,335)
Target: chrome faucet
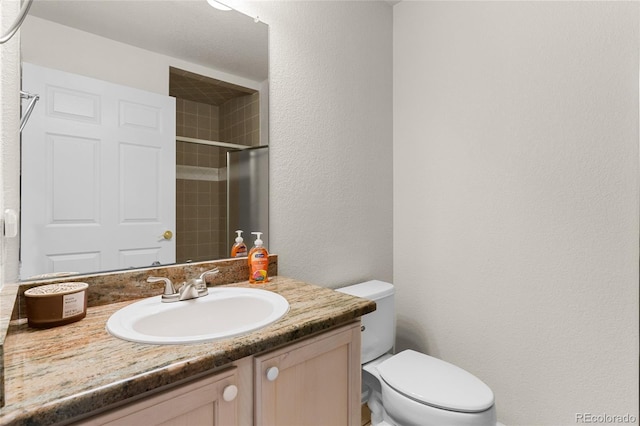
(170,294)
(192,289)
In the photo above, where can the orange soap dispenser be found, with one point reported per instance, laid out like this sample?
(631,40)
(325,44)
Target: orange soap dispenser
(239,249)
(258,261)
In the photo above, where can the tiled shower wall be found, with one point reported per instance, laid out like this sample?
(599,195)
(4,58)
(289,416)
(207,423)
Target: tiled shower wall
(240,120)
(201,211)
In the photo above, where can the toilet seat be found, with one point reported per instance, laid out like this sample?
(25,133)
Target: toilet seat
(435,382)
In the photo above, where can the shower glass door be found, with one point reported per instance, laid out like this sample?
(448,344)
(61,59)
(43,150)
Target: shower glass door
(248,194)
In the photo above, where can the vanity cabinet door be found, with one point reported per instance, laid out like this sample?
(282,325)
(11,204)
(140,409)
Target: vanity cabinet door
(208,401)
(313,382)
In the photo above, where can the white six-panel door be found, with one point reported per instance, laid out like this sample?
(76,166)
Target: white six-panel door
(98,175)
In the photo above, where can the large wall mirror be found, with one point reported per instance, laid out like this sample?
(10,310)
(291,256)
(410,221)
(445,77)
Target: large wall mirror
(149,142)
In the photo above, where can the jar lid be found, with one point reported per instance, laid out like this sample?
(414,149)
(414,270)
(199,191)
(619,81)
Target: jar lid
(59,288)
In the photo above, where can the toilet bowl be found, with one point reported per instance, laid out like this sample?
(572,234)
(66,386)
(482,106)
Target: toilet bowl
(411,388)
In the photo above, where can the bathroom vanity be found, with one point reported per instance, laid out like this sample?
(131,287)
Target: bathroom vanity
(304,366)
(313,381)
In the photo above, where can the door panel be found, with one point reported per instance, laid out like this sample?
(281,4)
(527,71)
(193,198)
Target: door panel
(98,175)
(73,200)
(73,261)
(316,381)
(139,191)
(198,403)
(73,104)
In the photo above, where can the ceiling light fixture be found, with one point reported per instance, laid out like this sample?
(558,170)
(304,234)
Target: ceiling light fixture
(218,5)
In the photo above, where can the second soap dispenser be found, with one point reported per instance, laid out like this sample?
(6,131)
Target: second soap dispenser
(239,249)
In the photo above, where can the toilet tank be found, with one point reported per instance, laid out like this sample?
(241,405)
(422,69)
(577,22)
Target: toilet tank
(379,326)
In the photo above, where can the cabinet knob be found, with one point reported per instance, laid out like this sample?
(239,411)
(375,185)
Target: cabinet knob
(229,393)
(272,373)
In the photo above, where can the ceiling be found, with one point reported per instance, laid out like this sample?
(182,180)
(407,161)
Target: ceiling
(190,30)
(198,88)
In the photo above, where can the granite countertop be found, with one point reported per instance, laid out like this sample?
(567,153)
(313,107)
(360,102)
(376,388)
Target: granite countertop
(57,374)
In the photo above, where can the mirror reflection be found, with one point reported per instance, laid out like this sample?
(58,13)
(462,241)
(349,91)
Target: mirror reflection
(171,201)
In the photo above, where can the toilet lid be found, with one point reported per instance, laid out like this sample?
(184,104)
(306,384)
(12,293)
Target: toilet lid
(435,382)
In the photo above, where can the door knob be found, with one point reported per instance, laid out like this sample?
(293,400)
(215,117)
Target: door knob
(272,373)
(167,235)
(229,393)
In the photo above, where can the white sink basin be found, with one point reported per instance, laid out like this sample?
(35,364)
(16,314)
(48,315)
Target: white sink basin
(224,312)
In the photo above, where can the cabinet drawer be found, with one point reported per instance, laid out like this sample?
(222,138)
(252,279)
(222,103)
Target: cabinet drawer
(207,401)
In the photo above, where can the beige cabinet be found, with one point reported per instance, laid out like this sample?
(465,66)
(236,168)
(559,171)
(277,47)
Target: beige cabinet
(313,382)
(207,401)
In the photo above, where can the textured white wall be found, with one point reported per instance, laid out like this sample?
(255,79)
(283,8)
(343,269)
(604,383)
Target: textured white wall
(9,137)
(516,199)
(331,130)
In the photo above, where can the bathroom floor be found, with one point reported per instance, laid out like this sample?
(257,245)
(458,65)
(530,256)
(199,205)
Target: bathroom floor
(366,415)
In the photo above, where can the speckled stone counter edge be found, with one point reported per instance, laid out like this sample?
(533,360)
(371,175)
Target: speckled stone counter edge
(8,297)
(52,377)
(117,286)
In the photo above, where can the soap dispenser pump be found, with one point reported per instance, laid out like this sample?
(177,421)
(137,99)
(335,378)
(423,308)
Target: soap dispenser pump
(258,261)
(239,249)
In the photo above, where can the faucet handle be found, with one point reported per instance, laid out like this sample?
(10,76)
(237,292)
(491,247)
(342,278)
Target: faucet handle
(211,271)
(170,294)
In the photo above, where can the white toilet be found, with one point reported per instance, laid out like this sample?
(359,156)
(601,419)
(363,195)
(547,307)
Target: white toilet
(411,388)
